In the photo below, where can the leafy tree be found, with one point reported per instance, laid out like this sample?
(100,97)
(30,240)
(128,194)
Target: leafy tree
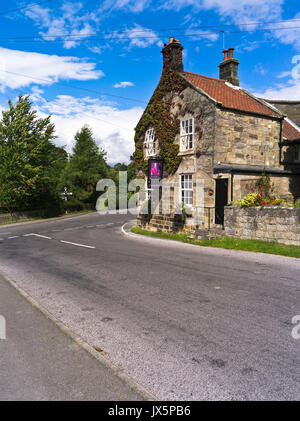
(29,161)
(86,166)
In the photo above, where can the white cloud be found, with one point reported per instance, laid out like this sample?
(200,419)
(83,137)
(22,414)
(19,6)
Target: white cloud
(240,11)
(48,68)
(138,36)
(135,6)
(113,128)
(70,19)
(282,75)
(123,84)
(211,36)
(259,68)
(289,32)
(289,90)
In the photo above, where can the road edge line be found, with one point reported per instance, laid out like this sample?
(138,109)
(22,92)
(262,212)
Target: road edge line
(118,372)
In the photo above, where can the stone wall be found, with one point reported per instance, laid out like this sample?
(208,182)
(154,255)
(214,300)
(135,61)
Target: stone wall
(165,223)
(246,140)
(269,224)
(290,108)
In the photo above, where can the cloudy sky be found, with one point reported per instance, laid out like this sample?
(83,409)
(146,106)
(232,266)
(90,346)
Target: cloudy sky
(98,62)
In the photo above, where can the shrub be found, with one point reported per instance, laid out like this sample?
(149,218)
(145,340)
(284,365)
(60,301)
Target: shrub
(263,196)
(247,201)
(297,203)
(72,205)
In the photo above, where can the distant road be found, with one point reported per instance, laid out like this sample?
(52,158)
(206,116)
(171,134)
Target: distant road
(185,322)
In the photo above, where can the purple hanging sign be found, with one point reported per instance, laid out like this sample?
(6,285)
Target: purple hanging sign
(155,170)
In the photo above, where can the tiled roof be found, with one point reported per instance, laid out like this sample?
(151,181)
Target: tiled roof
(238,99)
(289,131)
(229,96)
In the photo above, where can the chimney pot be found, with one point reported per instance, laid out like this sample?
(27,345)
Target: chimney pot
(229,67)
(172,56)
(225,55)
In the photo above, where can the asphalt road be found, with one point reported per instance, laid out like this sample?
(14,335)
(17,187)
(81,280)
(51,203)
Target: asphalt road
(186,322)
(40,362)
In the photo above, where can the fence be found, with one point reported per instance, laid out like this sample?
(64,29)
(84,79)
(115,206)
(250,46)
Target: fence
(7,218)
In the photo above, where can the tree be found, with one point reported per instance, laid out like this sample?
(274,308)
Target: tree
(29,161)
(86,166)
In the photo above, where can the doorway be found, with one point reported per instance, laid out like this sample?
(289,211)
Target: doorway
(221,199)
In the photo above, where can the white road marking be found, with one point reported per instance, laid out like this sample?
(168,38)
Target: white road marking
(14,236)
(111,223)
(76,244)
(37,235)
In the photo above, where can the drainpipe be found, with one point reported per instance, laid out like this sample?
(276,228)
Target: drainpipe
(280,141)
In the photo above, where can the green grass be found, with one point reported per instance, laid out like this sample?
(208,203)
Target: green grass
(231,243)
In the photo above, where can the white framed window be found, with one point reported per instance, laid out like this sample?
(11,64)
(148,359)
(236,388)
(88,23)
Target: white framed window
(186,134)
(297,153)
(186,184)
(151,144)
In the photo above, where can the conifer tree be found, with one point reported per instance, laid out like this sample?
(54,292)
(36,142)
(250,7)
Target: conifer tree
(86,166)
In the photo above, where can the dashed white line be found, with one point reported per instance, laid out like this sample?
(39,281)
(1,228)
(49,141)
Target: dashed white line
(76,244)
(14,236)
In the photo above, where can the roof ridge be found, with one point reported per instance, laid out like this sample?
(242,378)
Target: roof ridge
(263,102)
(292,123)
(207,77)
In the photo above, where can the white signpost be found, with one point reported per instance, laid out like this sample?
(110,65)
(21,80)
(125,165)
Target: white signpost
(65,195)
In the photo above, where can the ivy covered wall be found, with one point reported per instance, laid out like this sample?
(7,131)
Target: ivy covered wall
(158,114)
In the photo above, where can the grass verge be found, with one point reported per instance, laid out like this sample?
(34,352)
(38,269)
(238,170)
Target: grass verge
(42,219)
(231,243)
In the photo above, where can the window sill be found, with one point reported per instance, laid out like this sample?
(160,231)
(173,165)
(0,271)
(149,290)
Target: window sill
(152,156)
(191,152)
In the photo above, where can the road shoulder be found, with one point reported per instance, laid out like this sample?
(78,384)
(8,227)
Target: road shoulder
(137,390)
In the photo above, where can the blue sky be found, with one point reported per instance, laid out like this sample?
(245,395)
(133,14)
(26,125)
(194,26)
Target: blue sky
(98,62)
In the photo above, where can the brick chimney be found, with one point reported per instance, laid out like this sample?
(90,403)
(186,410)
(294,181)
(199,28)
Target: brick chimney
(172,56)
(229,67)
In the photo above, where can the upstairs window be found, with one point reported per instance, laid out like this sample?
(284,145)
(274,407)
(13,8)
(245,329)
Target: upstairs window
(187,135)
(187,189)
(297,153)
(150,142)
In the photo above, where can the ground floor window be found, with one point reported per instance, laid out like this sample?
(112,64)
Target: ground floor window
(187,189)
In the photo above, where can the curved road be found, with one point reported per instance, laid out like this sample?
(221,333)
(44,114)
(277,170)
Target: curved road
(186,322)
